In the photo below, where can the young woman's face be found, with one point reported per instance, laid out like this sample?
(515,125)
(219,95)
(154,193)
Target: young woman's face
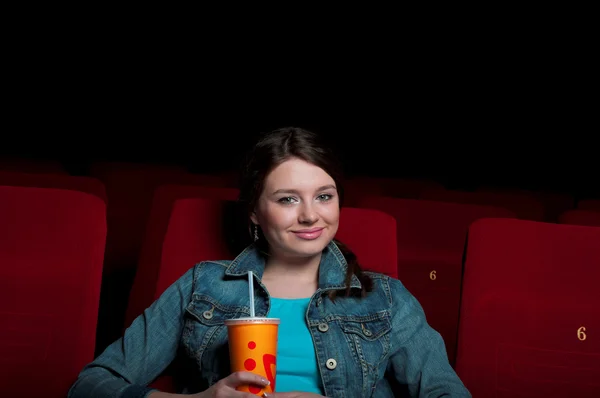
(298,209)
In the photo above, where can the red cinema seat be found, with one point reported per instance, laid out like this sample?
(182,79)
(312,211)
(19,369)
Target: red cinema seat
(51,252)
(371,235)
(156,229)
(431,237)
(180,233)
(529,317)
(196,231)
(523,205)
(580,217)
(589,204)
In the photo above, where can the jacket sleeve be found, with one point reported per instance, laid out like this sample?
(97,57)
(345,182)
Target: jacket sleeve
(419,360)
(147,347)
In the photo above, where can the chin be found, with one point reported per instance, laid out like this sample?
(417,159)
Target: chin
(309,249)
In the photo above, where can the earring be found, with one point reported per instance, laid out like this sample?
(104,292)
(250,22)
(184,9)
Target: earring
(255,232)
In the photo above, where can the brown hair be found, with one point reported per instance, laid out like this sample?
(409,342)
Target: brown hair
(273,148)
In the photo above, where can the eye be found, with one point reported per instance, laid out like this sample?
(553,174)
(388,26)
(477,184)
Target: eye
(325,197)
(287,200)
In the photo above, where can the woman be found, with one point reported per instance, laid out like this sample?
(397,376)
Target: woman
(343,333)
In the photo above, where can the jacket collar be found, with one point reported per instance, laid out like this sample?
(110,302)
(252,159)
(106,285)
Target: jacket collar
(332,268)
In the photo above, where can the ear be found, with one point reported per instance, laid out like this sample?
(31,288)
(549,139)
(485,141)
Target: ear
(253,218)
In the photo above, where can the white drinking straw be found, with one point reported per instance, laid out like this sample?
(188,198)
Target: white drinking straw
(251,293)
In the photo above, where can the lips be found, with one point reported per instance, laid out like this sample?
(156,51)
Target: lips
(309,234)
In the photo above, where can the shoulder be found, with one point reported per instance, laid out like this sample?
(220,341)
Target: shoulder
(406,313)
(394,290)
(210,269)
(201,274)
(213,266)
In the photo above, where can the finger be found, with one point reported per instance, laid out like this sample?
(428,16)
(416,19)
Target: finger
(238,378)
(248,395)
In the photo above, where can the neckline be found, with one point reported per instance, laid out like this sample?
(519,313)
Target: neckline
(291,299)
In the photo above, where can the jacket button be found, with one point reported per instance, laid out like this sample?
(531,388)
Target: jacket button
(368,333)
(331,364)
(323,327)
(207,314)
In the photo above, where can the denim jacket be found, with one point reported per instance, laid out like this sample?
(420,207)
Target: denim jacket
(363,345)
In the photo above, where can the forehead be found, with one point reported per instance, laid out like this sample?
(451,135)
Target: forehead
(297,174)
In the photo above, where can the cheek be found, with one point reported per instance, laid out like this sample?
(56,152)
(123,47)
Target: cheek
(331,214)
(278,217)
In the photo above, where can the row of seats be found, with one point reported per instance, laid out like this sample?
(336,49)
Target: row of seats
(429,240)
(180,232)
(426,224)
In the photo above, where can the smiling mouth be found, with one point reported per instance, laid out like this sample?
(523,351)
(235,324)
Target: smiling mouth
(306,231)
(309,234)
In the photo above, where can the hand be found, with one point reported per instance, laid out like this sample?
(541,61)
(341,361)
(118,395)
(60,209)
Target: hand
(226,388)
(295,394)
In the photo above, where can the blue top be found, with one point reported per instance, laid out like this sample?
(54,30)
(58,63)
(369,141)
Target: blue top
(296,359)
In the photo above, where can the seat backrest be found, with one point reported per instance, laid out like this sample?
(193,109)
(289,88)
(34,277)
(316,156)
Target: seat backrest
(371,235)
(51,252)
(529,311)
(198,231)
(580,217)
(180,234)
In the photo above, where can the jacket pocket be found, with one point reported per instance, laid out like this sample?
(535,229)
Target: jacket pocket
(369,337)
(205,335)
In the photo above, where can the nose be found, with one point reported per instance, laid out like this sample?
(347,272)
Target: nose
(307,214)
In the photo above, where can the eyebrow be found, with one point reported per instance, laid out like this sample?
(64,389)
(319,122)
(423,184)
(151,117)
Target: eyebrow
(323,188)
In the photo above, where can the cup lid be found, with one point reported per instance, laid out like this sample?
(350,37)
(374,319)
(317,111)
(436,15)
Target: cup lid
(248,320)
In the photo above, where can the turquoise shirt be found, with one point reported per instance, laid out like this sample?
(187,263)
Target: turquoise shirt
(296,359)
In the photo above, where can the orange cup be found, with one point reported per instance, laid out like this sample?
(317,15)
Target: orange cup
(253,348)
